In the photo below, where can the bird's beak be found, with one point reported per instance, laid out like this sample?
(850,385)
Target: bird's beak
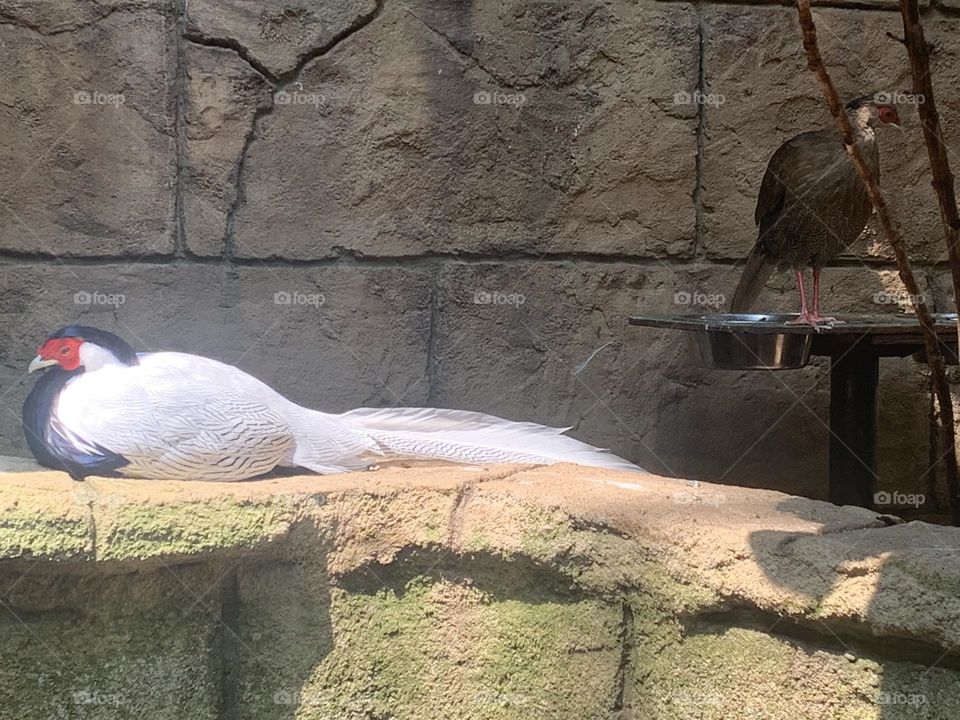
(38,363)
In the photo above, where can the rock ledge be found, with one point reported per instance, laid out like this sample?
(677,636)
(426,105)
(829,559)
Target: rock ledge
(457,592)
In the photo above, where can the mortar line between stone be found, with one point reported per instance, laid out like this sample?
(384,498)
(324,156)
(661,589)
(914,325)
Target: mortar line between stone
(623,703)
(701,132)
(229,708)
(433,337)
(179,128)
(864,6)
(427,260)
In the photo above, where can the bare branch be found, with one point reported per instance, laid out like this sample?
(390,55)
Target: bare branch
(919,52)
(892,233)
(895,38)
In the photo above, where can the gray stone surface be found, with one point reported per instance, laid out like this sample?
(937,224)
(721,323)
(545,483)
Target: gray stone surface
(11,463)
(755,63)
(639,395)
(280,136)
(87,153)
(363,341)
(579,147)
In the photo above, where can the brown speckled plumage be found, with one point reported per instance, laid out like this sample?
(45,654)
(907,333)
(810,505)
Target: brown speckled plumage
(812,204)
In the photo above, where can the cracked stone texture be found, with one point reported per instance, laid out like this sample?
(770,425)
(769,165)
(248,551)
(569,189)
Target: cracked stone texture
(49,18)
(638,394)
(753,59)
(223,95)
(277,34)
(493,593)
(95,178)
(395,157)
(362,342)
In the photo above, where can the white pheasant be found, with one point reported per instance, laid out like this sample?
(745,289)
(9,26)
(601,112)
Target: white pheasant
(103,409)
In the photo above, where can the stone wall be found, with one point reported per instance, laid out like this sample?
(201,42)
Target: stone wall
(451,203)
(501,593)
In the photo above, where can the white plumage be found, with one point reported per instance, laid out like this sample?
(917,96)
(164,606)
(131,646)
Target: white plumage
(182,416)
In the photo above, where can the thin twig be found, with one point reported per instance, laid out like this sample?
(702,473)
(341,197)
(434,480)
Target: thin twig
(895,38)
(892,233)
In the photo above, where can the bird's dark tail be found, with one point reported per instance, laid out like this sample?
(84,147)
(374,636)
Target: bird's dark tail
(755,275)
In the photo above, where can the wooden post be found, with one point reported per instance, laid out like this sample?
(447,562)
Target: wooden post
(854,379)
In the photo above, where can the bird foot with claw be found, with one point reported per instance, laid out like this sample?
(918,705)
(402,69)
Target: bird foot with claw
(815,321)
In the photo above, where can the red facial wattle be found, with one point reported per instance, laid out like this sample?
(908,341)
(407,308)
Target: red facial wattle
(888,114)
(65,351)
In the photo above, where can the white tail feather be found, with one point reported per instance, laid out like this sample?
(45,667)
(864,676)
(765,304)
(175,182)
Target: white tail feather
(472,437)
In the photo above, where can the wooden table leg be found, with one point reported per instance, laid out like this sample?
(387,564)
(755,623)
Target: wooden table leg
(854,377)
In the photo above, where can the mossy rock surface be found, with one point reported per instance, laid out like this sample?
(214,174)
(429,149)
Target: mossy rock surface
(439,592)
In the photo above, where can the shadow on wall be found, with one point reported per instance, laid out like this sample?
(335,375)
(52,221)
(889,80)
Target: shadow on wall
(276,629)
(870,571)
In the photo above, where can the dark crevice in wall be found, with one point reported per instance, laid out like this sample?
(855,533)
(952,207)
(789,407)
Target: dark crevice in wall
(701,132)
(92,519)
(197,37)
(942,9)
(8,18)
(837,636)
(432,369)
(933,448)
(229,245)
(179,127)
(230,648)
(623,703)
(841,4)
(429,259)
(454,526)
(280,81)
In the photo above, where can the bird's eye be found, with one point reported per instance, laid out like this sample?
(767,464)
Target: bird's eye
(64,350)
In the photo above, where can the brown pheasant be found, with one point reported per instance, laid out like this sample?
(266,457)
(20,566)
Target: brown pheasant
(812,205)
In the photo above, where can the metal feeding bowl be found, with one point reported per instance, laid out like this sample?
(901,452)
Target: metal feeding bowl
(734,342)
(766,341)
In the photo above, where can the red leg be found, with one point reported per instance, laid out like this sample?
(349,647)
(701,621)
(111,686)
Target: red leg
(807,317)
(803,295)
(817,317)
